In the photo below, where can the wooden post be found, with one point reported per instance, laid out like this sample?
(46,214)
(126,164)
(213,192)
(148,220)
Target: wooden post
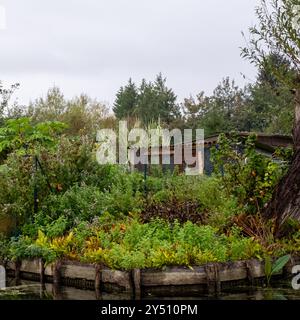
(42,272)
(57,274)
(98,279)
(217,279)
(42,277)
(56,289)
(213,278)
(18,264)
(136,277)
(250,272)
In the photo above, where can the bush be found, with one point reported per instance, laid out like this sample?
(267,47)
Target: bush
(248,175)
(80,188)
(198,199)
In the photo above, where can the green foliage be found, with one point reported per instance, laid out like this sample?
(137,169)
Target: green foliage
(271,103)
(199,199)
(4,248)
(128,244)
(258,107)
(126,100)
(94,213)
(25,248)
(5,97)
(22,136)
(220,112)
(151,101)
(82,115)
(269,110)
(245,173)
(84,203)
(285,154)
(17,185)
(160,244)
(81,188)
(57,227)
(275,267)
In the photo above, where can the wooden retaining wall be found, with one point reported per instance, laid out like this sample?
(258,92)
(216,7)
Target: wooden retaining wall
(211,278)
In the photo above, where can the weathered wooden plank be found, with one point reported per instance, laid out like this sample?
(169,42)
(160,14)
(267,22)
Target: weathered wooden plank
(10,265)
(258,268)
(173,277)
(76,271)
(182,276)
(232,271)
(121,278)
(30,266)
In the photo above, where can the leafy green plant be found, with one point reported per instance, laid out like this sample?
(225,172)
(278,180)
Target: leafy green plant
(26,248)
(127,243)
(24,137)
(273,268)
(250,176)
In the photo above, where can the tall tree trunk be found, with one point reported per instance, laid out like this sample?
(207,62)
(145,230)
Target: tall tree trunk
(285,202)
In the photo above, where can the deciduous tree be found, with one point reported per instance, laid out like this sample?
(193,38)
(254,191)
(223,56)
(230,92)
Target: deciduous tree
(278,30)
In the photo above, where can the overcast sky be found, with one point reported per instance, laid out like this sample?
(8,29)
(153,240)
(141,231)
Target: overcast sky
(94,46)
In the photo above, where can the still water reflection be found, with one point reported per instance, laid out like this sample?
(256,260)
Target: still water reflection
(28,290)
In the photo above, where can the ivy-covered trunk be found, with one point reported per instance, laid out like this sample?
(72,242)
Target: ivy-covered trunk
(285,202)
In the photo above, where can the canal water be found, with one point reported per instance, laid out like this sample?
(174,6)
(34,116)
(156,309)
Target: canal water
(28,290)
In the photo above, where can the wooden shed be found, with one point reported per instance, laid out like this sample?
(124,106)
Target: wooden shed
(265,144)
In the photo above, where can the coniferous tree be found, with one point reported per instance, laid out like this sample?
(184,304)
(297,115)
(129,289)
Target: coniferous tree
(149,102)
(126,99)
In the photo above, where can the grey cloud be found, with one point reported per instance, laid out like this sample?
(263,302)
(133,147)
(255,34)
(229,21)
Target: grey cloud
(193,42)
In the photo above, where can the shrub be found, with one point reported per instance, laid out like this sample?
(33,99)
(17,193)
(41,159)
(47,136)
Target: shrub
(26,248)
(248,175)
